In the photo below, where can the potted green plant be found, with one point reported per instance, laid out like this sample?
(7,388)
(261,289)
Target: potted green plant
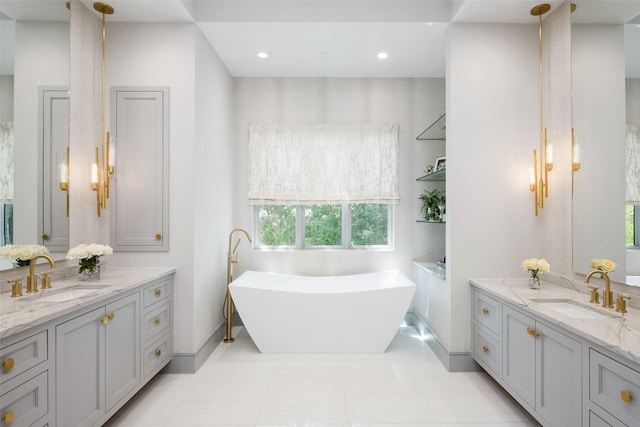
(433,205)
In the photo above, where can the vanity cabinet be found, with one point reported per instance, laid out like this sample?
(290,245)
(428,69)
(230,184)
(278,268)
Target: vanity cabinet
(543,366)
(97,361)
(24,381)
(539,365)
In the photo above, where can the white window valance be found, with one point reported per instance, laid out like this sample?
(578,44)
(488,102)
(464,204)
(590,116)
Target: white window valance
(633,164)
(321,164)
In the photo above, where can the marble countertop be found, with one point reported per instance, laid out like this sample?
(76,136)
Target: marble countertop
(615,331)
(21,313)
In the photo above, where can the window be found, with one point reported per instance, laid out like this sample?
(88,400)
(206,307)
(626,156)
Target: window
(337,226)
(633,226)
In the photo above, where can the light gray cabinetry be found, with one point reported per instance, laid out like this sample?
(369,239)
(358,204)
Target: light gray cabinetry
(156,327)
(24,381)
(543,367)
(140,183)
(97,361)
(614,390)
(539,365)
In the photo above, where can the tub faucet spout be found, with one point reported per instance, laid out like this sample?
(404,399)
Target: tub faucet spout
(232,258)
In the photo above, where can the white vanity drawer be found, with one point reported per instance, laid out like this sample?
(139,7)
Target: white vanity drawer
(23,355)
(614,387)
(26,403)
(487,349)
(487,312)
(156,292)
(156,321)
(156,355)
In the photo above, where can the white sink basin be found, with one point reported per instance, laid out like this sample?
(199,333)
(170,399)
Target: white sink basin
(575,309)
(65,294)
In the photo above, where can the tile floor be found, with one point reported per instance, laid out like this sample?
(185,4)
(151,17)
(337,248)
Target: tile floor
(407,387)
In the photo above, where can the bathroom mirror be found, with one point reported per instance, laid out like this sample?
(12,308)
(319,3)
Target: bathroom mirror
(35,58)
(605,41)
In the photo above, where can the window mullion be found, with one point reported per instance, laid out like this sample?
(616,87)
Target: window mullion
(346,225)
(299,227)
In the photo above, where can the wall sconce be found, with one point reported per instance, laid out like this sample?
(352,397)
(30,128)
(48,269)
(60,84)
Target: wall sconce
(539,180)
(104,163)
(575,157)
(64,177)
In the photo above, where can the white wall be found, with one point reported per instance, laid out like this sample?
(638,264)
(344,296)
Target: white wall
(492,129)
(412,103)
(175,55)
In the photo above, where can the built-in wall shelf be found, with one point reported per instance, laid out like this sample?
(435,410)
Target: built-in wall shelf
(436,131)
(431,222)
(440,175)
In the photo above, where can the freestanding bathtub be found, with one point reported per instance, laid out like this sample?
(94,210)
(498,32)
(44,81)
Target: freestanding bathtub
(358,313)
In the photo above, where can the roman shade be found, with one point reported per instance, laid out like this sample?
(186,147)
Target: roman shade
(323,164)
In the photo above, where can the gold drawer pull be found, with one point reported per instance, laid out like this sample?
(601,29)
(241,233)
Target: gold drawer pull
(111,316)
(108,318)
(9,417)
(158,320)
(485,348)
(158,352)
(158,237)
(7,365)
(485,311)
(45,237)
(532,332)
(626,396)
(158,292)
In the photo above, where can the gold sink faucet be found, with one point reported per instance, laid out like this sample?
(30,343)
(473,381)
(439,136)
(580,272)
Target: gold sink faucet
(607,294)
(32,280)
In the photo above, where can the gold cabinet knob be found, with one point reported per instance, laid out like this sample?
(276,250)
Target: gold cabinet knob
(111,316)
(532,332)
(7,365)
(158,237)
(626,396)
(158,353)
(485,348)
(158,292)
(485,311)
(158,320)
(9,417)
(45,237)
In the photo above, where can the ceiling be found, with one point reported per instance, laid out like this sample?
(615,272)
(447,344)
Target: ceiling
(332,38)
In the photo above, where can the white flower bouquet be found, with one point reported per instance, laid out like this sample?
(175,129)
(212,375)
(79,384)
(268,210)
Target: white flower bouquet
(604,265)
(22,254)
(89,256)
(535,266)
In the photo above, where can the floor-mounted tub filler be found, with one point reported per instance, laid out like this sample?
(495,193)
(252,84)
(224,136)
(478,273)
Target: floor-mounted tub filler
(358,313)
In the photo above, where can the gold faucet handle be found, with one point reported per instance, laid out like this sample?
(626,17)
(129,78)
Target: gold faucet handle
(621,304)
(595,296)
(16,287)
(46,280)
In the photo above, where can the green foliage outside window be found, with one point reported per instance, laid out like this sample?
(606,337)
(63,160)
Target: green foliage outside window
(630,226)
(323,225)
(277,225)
(369,224)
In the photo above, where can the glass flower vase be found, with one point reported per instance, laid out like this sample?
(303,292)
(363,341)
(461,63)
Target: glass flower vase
(89,275)
(534,282)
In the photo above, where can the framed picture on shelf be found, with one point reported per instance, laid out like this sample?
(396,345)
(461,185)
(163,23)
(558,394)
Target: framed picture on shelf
(441,163)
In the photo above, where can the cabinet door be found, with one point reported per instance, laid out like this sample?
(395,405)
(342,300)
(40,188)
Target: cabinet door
(518,357)
(122,361)
(80,370)
(53,221)
(140,182)
(559,377)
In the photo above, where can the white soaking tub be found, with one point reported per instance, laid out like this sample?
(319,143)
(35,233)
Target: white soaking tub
(357,313)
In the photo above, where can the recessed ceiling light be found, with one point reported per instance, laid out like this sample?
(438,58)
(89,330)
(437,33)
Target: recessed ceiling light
(263,55)
(383,55)
(324,53)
